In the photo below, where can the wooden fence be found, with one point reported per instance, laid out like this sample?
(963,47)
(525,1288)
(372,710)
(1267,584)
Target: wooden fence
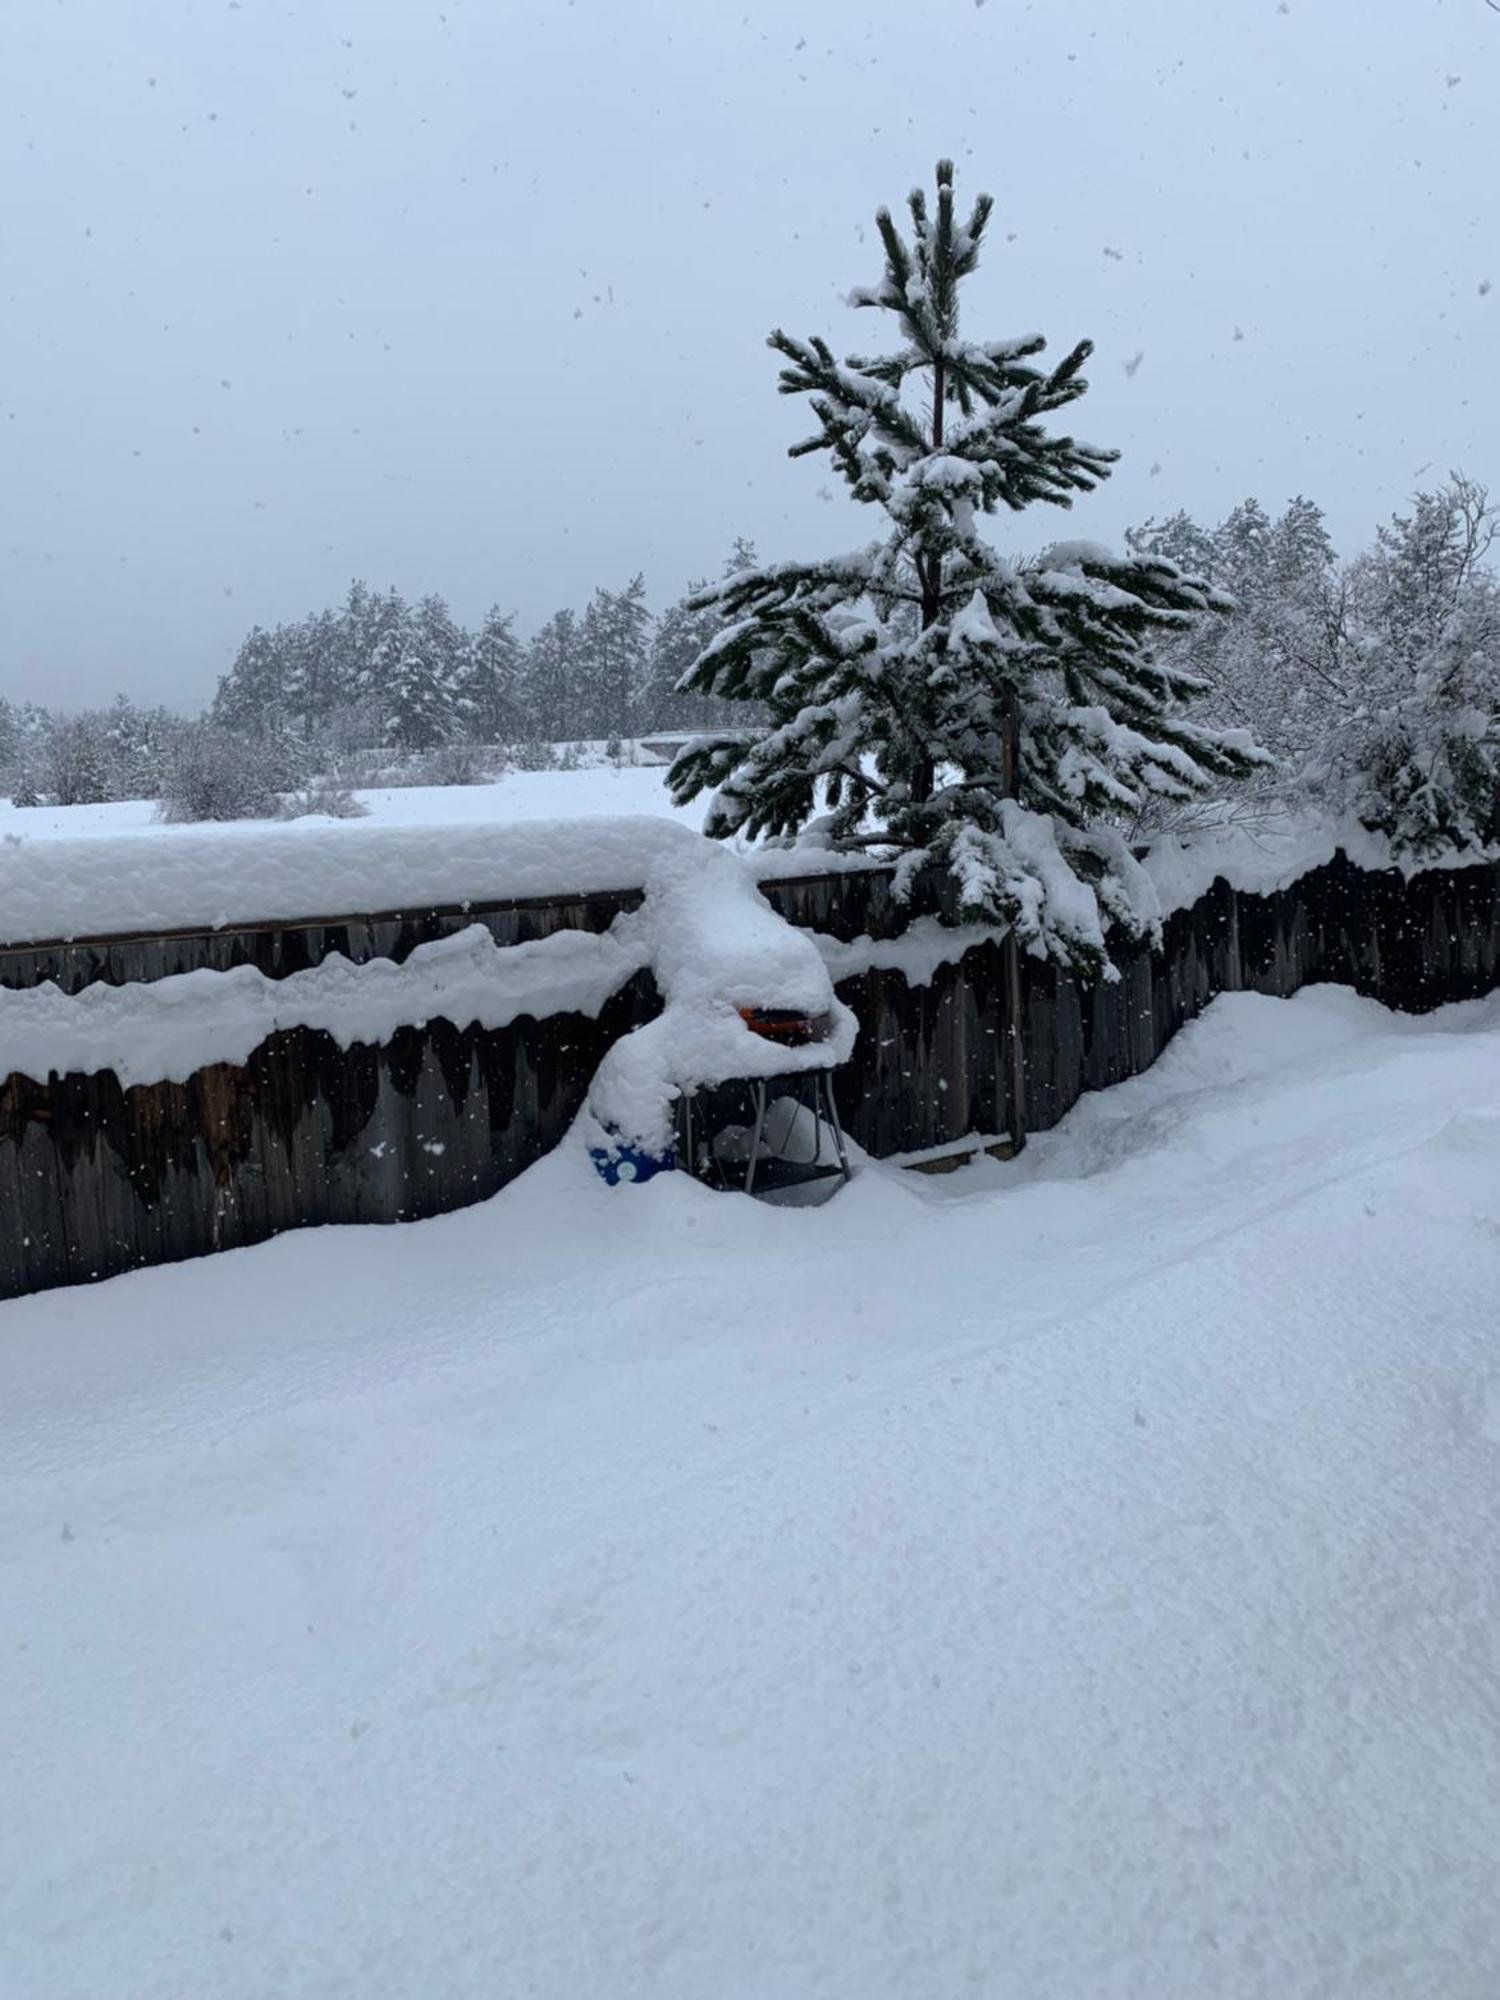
(96,1178)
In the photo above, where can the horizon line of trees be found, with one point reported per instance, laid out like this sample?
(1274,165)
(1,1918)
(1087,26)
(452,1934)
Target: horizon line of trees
(1374,681)
(379,672)
(379,682)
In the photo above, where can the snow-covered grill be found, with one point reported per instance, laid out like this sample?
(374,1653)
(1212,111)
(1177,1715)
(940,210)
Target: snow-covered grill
(731,1080)
(777,1137)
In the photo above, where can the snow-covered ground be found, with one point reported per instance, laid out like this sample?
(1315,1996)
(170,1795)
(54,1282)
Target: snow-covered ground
(519,795)
(1065,1580)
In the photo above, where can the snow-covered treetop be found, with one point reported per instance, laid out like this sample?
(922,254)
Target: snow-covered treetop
(996,453)
(926,692)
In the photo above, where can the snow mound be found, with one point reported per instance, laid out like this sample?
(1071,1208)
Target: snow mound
(716,946)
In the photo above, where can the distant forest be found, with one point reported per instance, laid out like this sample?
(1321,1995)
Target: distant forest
(1378,674)
(380,687)
(380,671)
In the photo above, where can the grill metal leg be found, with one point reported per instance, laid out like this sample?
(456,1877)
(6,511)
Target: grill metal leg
(825,1082)
(758,1091)
(693,1130)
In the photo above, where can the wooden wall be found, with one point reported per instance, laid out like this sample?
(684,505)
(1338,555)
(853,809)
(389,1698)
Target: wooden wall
(96,1179)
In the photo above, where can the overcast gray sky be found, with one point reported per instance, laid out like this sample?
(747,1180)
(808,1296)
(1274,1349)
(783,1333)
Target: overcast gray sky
(471,296)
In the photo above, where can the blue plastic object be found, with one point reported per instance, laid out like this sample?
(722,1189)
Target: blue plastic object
(620,1165)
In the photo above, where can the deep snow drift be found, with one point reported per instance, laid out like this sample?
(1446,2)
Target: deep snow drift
(1064,1580)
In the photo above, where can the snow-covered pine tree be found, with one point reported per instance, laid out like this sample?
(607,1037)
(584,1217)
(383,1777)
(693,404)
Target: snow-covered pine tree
(414,670)
(1418,755)
(1180,539)
(448,650)
(376,622)
(488,702)
(317,678)
(612,651)
(550,679)
(10,745)
(254,697)
(1243,543)
(138,741)
(360,624)
(1300,542)
(938,698)
(681,636)
(33,725)
(1425,563)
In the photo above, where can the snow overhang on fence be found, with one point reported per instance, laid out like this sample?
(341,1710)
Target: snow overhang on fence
(164,879)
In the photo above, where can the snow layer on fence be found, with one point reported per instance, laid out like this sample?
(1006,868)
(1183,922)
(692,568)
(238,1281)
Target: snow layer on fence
(197,877)
(163,1031)
(1262,854)
(712,940)
(918,954)
(127,878)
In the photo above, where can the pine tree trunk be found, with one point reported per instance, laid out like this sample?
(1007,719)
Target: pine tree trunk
(924,774)
(1010,785)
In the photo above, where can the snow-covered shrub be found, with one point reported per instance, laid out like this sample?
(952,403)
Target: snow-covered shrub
(75,761)
(323,798)
(454,764)
(119,752)
(533,755)
(1417,754)
(347,735)
(368,769)
(215,775)
(1419,759)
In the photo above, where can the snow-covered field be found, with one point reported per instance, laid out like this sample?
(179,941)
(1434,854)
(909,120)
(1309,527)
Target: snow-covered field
(519,795)
(1069,1579)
